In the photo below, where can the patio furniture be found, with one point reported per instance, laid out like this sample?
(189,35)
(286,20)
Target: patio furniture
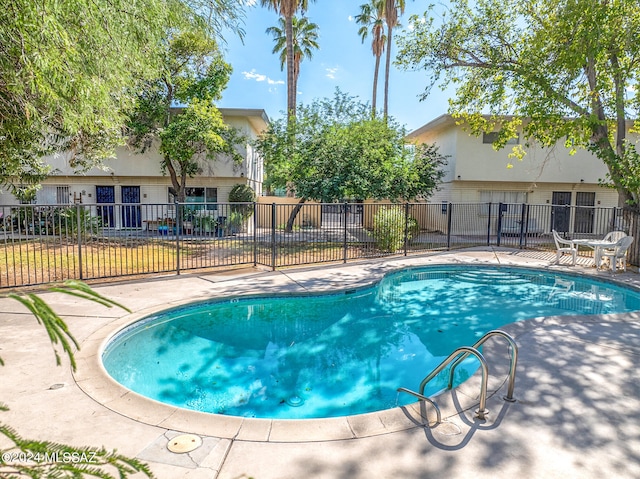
(609,241)
(564,246)
(618,253)
(614,236)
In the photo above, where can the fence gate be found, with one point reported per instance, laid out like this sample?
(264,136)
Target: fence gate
(335,215)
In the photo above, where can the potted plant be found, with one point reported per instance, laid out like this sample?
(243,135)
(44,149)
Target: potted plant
(204,224)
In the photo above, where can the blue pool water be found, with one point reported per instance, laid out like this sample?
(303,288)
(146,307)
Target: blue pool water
(340,354)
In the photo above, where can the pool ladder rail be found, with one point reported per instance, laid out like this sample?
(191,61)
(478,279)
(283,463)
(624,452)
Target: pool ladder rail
(460,355)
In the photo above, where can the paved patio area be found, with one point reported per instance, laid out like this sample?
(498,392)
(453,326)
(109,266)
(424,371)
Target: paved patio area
(577,413)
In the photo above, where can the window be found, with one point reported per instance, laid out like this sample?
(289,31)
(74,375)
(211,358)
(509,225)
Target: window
(53,195)
(200,195)
(493,136)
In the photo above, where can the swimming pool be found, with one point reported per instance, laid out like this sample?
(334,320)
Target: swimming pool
(339,354)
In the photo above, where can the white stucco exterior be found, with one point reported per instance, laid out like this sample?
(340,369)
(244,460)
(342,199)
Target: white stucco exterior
(130,168)
(476,172)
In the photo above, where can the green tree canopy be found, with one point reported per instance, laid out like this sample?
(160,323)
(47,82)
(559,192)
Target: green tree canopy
(335,150)
(566,70)
(194,76)
(70,72)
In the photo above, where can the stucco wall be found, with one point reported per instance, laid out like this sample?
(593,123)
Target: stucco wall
(309,216)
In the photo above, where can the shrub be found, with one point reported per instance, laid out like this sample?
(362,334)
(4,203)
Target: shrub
(242,194)
(73,217)
(389,225)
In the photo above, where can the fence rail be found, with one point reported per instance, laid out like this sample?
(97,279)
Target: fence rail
(41,244)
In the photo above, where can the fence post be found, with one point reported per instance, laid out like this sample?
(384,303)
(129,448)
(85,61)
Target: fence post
(523,224)
(449,217)
(344,238)
(178,225)
(273,236)
(489,226)
(406,227)
(79,232)
(499,232)
(255,234)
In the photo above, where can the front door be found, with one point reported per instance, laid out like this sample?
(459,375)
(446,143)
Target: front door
(104,196)
(561,211)
(131,212)
(585,212)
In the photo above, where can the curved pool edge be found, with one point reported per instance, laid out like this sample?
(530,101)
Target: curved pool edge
(93,380)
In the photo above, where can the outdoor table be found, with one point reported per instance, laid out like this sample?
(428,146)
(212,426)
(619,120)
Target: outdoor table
(597,245)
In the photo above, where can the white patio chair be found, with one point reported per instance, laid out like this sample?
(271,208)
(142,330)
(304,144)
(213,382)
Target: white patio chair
(614,236)
(618,254)
(564,246)
(611,237)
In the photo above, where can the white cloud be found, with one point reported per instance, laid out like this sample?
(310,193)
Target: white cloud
(259,77)
(331,72)
(350,18)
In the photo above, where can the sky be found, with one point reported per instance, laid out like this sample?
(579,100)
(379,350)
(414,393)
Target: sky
(342,61)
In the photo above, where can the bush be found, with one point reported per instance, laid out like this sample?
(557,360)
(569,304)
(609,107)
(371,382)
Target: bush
(242,194)
(74,216)
(389,225)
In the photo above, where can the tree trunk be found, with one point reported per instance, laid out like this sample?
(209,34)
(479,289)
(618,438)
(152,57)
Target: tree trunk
(178,185)
(291,92)
(376,71)
(293,215)
(386,73)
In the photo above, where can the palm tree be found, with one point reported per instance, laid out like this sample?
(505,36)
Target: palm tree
(371,17)
(305,36)
(287,9)
(391,18)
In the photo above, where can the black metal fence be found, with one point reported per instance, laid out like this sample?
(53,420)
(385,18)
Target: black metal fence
(41,244)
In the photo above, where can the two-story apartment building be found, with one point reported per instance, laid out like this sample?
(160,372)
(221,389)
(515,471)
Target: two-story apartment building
(133,177)
(477,173)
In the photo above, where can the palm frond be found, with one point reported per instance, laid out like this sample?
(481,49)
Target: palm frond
(56,328)
(56,460)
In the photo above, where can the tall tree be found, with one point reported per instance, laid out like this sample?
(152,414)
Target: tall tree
(60,65)
(287,10)
(194,76)
(391,8)
(69,73)
(566,70)
(305,40)
(371,19)
(333,150)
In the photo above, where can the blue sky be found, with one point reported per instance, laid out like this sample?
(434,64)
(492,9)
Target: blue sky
(342,61)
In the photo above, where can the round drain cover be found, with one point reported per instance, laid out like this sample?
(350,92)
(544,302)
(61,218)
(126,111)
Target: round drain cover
(184,443)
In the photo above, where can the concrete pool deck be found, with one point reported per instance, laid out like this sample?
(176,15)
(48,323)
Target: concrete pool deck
(577,390)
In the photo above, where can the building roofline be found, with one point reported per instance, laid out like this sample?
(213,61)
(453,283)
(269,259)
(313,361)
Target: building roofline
(439,122)
(253,112)
(446,120)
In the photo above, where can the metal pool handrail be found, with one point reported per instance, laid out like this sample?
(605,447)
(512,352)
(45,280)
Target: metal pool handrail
(513,350)
(482,411)
(424,398)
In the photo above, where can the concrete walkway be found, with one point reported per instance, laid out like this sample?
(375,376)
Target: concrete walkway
(577,413)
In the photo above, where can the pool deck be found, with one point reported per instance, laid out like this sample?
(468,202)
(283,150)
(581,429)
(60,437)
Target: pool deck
(577,391)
